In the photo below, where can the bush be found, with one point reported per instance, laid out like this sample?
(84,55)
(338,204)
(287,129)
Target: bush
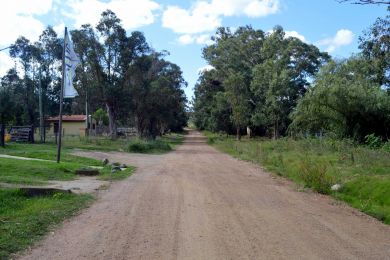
(386,146)
(146,146)
(373,141)
(315,176)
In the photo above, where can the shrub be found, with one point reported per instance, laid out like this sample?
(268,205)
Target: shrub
(386,146)
(144,146)
(315,176)
(373,141)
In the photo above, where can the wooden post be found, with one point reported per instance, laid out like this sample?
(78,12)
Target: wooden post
(2,135)
(32,134)
(61,100)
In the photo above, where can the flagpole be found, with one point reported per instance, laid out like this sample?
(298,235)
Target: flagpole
(59,131)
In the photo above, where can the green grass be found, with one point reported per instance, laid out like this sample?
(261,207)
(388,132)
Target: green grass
(160,145)
(363,173)
(48,151)
(96,143)
(23,220)
(45,151)
(107,175)
(35,172)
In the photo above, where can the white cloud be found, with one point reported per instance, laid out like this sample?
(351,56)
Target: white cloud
(17,18)
(291,34)
(133,14)
(205,68)
(204,39)
(186,39)
(6,62)
(206,16)
(295,34)
(343,37)
(59,29)
(27,7)
(186,22)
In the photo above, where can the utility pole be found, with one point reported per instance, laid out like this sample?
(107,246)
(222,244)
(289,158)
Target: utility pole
(59,131)
(86,113)
(41,126)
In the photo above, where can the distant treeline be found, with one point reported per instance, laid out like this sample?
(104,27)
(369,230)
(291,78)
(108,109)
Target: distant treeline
(278,85)
(119,73)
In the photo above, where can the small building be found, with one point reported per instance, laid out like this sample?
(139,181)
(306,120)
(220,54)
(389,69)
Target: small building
(72,125)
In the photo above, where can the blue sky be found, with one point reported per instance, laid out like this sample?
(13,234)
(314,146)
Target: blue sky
(184,27)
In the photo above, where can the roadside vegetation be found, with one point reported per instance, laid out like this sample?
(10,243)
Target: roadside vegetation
(24,220)
(363,173)
(159,145)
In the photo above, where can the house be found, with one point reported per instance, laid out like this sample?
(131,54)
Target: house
(72,125)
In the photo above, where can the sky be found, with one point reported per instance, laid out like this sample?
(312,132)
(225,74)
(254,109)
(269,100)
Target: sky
(183,28)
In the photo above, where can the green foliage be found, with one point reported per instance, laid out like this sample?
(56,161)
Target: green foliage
(256,80)
(162,144)
(148,146)
(46,151)
(373,141)
(375,46)
(370,194)
(35,172)
(158,100)
(115,68)
(346,101)
(386,146)
(101,116)
(364,173)
(315,176)
(24,220)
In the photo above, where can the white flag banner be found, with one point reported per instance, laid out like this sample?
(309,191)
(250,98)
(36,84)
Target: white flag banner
(71,62)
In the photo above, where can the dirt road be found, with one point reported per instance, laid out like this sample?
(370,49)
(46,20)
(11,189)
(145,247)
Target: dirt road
(197,203)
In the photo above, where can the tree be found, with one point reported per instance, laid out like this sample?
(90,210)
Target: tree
(259,75)
(282,78)
(50,55)
(237,92)
(375,46)
(157,98)
(233,56)
(101,116)
(211,106)
(23,50)
(106,56)
(346,101)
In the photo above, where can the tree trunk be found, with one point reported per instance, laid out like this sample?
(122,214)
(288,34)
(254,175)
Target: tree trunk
(111,121)
(238,133)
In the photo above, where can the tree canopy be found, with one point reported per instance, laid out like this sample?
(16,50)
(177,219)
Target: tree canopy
(119,73)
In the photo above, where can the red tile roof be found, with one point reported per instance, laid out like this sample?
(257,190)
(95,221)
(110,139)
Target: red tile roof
(71,118)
